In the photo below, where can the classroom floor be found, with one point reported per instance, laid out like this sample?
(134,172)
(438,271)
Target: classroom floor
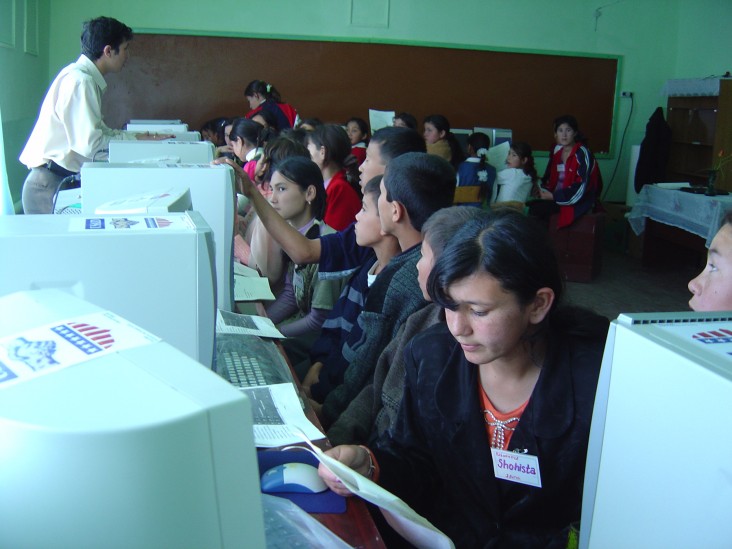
(625,286)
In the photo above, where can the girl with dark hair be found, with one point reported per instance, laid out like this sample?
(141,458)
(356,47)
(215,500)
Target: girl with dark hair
(267,120)
(246,143)
(264,96)
(405,120)
(309,124)
(572,178)
(358,133)
(516,182)
(441,141)
(491,438)
(299,197)
(330,149)
(475,171)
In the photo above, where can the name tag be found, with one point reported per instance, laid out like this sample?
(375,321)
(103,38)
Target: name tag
(515,467)
(560,168)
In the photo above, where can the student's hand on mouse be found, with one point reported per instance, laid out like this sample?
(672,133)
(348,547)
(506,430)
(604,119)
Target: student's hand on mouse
(246,186)
(355,457)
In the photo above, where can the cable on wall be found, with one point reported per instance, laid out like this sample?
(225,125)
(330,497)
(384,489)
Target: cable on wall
(620,154)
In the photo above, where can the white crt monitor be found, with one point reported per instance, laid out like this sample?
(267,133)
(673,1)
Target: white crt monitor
(159,126)
(156,270)
(113,438)
(659,462)
(212,194)
(191,152)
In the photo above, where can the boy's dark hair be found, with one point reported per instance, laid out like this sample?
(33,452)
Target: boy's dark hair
(100,32)
(422,183)
(395,141)
(443,224)
(373,186)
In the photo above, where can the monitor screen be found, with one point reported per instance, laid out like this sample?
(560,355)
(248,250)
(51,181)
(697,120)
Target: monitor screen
(156,270)
(117,440)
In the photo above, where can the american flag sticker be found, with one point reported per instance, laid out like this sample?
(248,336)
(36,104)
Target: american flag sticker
(89,339)
(157,222)
(710,337)
(45,349)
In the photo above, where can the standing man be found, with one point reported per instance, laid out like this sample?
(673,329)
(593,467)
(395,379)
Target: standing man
(69,130)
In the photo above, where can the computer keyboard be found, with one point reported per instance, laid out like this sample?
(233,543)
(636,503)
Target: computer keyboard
(249,361)
(243,371)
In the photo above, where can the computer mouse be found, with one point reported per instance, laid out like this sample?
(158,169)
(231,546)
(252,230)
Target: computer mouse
(292,477)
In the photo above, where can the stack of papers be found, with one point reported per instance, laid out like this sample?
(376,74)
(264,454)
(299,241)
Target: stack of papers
(249,286)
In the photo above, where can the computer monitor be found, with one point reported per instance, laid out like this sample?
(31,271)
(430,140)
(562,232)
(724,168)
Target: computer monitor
(212,192)
(659,460)
(155,201)
(134,445)
(157,271)
(187,152)
(159,126)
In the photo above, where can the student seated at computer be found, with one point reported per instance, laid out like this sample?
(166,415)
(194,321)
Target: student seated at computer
(385,145)
(342,327)
(246,142)
(507,384)
(303,304)
(415,185)
(341,249)
(330,149)
(375,408)
(253,246)
(712,288)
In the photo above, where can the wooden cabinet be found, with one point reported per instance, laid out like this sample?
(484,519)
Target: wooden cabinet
(701,127)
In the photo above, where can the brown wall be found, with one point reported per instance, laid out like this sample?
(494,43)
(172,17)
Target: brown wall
(196,78)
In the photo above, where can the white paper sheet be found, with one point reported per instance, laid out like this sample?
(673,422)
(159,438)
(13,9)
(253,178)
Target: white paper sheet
(234,323)
(410,525)
(250,288)
(278,416)
(497,156)
(244,270)
(380,119)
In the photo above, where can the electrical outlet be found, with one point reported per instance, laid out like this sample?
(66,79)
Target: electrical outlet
(626,94)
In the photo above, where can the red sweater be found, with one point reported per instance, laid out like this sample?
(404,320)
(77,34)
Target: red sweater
(342,202)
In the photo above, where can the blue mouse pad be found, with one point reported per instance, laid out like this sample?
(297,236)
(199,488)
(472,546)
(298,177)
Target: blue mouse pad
(324,502)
